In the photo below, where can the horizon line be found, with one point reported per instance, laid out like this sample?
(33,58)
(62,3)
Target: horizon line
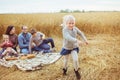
(57,12)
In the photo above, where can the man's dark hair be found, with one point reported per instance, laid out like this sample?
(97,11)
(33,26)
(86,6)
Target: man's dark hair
(32,31)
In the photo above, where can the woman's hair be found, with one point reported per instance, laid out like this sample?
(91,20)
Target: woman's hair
(9,28)
(67,18)
(32,31)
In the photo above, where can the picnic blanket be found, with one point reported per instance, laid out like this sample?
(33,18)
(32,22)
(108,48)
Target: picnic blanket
(35,63)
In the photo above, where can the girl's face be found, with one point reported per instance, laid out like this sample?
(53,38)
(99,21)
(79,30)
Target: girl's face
(12,31)
(6,38)
(70,24)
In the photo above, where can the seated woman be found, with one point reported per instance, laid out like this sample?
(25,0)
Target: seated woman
(10,31)
(7,47)
(40,43)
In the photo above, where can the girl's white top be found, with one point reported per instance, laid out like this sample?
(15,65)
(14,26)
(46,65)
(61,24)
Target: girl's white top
(69,37)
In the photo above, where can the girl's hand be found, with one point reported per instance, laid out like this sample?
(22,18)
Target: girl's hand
(86,42)
(82,43)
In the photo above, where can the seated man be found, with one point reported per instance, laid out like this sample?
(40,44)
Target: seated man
(23,40)
(41,44)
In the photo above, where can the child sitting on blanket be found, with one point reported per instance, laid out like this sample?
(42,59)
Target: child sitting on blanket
(7,49)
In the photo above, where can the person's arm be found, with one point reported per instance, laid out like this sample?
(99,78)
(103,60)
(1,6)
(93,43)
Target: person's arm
(68,37)
(10,44)
(20,42)
(30,44)
(16,41)
(82,35)
(42,36)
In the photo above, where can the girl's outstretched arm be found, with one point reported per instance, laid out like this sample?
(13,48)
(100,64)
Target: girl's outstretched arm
(82,35)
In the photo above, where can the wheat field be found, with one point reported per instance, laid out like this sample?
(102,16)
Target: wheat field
(100,60)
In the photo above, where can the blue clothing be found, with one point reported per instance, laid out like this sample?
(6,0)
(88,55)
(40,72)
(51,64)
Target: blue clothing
(44,46)
(1,51)
(23,41)
(24,51)
(65,51)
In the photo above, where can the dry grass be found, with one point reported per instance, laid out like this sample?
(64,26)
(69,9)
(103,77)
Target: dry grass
(100,60)
(91,23)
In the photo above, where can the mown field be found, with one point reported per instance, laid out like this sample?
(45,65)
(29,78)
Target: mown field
(100,60)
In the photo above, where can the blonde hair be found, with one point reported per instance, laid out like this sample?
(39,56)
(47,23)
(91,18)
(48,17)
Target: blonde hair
(67,18)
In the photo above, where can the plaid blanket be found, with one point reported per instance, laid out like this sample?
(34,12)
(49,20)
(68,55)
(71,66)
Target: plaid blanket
(35,63)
